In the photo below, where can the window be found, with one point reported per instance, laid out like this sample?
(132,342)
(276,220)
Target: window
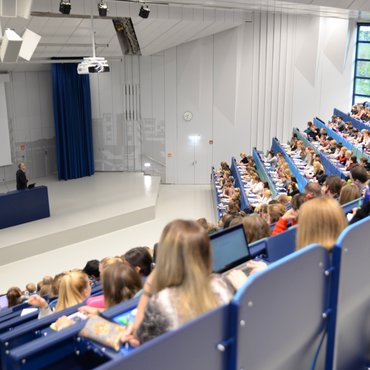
(361,87)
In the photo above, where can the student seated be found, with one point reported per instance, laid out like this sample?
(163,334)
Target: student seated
(352,163)
(14,295)
(31,288)
(342,156)
(290,217)
(311,131)
(359,177)
(92,270)
(274,212)
(332,186)
(365,163)
(255,228)
(181,287)
(140,260)
(74,288)
(292,189)
(120,283)
(349,193)
(364,210)
(321,220)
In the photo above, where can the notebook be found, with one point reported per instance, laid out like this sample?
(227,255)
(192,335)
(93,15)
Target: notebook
(230,249)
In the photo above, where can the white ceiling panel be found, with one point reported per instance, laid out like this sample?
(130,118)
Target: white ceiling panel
(41,5)
(213,29)
(123,9)
(168,25)
(344,4)
(302,1)
(363,5)
(165,41)
(47,51)
(158,32)
(37,24)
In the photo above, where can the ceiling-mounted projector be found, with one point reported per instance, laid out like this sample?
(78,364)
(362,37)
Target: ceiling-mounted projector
(92,65)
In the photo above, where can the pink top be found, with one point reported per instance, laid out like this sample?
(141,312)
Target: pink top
(97,301)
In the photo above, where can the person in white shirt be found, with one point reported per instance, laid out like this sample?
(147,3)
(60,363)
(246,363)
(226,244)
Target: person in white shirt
(257,185)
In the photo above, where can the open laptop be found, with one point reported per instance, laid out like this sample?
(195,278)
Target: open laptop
(31,186)
(230,250)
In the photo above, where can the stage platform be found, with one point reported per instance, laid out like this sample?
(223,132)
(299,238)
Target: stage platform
(82,209)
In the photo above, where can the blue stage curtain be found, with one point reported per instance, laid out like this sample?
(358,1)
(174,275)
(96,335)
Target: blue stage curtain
(73,124)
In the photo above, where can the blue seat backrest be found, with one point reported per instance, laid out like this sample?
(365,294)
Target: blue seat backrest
(279,319)
(25,343)
(16,321)
(348,207)
(5,311)
(349,341)
(10,315)
(281,245)
(29,331)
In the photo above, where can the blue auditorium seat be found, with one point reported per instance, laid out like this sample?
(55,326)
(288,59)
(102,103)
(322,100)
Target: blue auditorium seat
(281,245)
(279,313)
(349,336)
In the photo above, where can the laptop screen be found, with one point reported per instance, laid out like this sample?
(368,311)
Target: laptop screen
(230,248)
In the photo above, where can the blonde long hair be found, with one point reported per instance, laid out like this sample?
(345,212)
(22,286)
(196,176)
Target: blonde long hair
(320,220)
(184,261)
(73,289)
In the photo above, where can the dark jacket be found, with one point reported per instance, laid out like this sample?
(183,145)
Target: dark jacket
(21,180)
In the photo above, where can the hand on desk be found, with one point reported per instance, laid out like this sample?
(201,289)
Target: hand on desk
(63,322)
(87,310)
(128,337)
(237,278)
(256,266)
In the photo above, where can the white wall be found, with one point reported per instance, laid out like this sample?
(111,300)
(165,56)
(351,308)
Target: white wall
(243,86)
(5,152)
(31,124)
(252,83)
(323,74)
(128,115)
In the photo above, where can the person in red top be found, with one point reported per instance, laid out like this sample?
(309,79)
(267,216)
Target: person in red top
(342,156)
(290,217)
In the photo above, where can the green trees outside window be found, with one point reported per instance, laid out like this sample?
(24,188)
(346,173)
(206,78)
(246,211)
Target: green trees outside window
(361,88)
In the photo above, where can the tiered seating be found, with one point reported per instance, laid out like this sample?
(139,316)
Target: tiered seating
(301,136)
(332,166)
(355,122)
(27,332)
(281,328)
(240,183)
(296,166)
(268,174)
(277,320)
(356,148)
(218,202)
(250,196)
(349,335)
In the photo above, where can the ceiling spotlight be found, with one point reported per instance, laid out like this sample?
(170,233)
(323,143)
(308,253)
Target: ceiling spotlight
(144,11)
(102,8)
(65,6)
